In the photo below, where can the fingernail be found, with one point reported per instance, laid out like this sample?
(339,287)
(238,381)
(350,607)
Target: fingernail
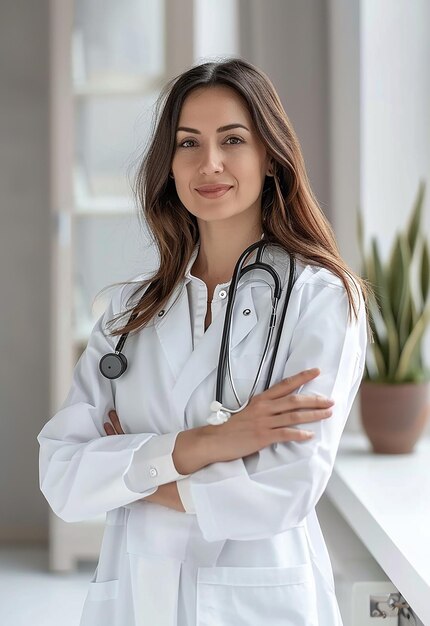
(309,434)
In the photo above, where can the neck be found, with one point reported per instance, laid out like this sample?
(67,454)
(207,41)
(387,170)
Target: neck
(221,244)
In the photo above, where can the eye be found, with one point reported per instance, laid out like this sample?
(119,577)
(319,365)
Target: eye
(181,145)
(240,140)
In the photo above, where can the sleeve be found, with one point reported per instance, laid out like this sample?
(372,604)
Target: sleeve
(83,472)
(184,490)
(275,488)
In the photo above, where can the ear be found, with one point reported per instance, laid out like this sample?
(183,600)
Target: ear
(269,171)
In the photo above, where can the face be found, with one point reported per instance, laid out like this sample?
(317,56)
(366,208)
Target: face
(206,154)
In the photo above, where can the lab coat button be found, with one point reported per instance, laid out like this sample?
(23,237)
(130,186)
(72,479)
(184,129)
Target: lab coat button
(153,471)
(222,294)
(161,313)
(246,311)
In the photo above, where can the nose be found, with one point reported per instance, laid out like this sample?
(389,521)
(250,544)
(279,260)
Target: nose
(211,160)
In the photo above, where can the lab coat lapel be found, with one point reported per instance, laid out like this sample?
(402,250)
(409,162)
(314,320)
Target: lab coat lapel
(174,330)
(204,359)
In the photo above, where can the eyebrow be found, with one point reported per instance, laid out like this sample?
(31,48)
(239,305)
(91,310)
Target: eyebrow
(221,129)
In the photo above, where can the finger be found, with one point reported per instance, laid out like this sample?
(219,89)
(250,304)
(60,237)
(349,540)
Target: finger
(109,429)
(116,423)
(292,434)
(288,385)
(297,403)
(299,417)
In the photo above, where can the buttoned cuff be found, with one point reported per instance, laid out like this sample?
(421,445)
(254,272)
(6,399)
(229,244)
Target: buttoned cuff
(184,489)
(152,464)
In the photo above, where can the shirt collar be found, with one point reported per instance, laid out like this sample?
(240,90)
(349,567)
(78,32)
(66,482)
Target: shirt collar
(188,275)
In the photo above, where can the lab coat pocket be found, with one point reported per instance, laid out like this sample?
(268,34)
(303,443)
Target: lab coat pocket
(112,549)
(103,596)
(100,603)
(107,590)
(239,596)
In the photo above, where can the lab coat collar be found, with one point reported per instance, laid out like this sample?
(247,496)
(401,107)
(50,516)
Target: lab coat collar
(191,262)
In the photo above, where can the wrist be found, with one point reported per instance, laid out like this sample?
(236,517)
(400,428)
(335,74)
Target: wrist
(167,495)
(193,450)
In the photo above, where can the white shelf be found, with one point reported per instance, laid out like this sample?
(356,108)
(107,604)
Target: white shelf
(386,501)
(117,85)
(105,207)
(98,204)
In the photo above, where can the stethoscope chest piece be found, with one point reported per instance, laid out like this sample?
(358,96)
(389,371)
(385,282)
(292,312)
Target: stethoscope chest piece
(113,365)
(218,415)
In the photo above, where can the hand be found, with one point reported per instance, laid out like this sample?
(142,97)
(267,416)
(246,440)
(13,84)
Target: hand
(116,429)
(268,418)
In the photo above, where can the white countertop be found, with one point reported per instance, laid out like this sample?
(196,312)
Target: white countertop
(386,501)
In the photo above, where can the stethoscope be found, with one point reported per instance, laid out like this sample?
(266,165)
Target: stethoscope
(114,364)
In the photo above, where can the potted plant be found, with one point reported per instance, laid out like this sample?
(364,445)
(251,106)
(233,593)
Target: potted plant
(395,390)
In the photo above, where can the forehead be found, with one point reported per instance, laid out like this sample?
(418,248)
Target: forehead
(214,106)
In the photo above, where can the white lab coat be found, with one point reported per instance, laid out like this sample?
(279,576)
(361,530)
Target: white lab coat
(253,552)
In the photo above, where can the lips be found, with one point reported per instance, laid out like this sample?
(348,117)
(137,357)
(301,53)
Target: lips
(211,188)
(219,191)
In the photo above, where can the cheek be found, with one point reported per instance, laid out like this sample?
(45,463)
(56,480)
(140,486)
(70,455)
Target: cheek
(248,167)
(250,180)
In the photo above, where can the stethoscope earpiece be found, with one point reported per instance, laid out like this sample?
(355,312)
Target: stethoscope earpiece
(113,365)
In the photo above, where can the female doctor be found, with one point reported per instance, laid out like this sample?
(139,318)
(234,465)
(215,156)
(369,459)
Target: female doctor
(214,524)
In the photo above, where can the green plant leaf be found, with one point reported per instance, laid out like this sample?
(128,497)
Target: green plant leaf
(398,271)
(377,321)
(405,310)
(413,227)
(379,360)
(379,330)
(398,314)
(413,346)
(425,271)
(381,288)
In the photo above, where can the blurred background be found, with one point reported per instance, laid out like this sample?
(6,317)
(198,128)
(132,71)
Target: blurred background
(78,83)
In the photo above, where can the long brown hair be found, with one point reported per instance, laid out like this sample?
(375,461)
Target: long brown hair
(291,215)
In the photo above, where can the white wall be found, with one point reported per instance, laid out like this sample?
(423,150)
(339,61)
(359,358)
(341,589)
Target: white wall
(379,120)
(216,29)
(344,122)
(288,40)
(395,118)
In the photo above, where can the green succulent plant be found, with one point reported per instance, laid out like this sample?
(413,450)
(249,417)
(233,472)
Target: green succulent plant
(399,309)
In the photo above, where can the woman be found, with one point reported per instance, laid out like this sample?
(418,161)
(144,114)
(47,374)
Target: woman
(214,524)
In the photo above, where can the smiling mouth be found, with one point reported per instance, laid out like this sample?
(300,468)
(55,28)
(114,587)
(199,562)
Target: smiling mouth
(214,194)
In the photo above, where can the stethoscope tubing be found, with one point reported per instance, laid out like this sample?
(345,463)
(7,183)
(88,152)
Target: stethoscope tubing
(224,360)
